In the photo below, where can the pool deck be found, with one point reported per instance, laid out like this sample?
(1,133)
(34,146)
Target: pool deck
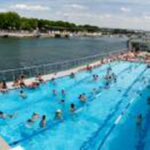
(54,75)
(47,77)
(4,145)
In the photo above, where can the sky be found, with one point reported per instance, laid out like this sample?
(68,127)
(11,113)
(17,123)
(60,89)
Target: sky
(131,14)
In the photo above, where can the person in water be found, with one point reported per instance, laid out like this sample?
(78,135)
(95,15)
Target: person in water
(54,92)
(72,108)
(58,114)
(62,102)
(23,95)
(95,91)
(35,116)
(63,92)
(82,97)
(29,123)
(148,101)
(139,121)
(43,121)
(72,75)
(95,77)
(6,116)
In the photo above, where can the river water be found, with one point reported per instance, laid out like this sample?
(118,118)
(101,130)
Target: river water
(16,53)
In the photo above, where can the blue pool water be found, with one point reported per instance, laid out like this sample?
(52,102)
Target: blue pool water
(93,126)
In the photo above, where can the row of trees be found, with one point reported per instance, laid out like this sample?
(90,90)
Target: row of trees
(13,21)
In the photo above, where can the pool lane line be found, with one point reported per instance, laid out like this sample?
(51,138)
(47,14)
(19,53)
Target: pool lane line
(116,122)
(37,133)
(87,143)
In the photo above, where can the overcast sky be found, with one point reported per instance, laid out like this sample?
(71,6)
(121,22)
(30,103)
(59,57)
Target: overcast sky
(132,14)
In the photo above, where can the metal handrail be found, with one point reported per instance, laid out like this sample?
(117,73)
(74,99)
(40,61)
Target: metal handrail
(11,74)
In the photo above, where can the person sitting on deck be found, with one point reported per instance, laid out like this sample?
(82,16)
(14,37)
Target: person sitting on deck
(22,84)
(58,114)
(33,85)
(43,121)
(23,95)
(82,97)
(16,83)
(89,68)
(3,87)
(72,75)
(6,116)
(72,108)
(39,78)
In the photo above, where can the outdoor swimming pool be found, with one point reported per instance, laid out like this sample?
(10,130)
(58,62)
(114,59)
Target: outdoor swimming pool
(96,125)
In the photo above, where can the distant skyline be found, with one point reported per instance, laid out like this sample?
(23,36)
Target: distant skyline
(130,14)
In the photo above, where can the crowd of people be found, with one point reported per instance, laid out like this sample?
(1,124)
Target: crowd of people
(109,77)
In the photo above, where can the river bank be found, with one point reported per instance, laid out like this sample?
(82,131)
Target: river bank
(54,34)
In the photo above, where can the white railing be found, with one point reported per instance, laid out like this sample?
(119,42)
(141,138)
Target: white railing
(30,71)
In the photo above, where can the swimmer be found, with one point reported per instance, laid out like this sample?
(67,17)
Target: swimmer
(35,116)
(72,108)
(58,114)
(54,92)
(107,85)
(95,91)
(95,77)
(63,92)
(82,97)
(43,122)
(114,77)
(148,101)
(29,123)
(23,95)
(62,102)
(139,120)
(53,79)
(5,116)
(72,75)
